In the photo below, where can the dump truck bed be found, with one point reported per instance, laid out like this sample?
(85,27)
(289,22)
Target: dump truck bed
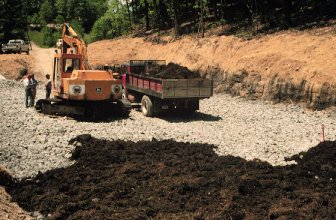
(170,88)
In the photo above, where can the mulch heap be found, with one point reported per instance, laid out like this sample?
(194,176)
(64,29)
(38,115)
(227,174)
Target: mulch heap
(173,180)
(172,71)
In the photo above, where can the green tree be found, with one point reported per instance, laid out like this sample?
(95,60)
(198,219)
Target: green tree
(114,23)
(46,13)
(14,19)
(48,37)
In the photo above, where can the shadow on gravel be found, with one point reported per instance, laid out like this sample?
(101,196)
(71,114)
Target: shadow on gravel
(99,120)
(197,116)
(172,180)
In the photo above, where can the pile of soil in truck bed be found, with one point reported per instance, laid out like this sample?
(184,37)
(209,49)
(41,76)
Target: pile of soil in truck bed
(172,180)
(173,71)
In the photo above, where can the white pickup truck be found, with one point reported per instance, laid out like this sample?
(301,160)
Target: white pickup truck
(15,46)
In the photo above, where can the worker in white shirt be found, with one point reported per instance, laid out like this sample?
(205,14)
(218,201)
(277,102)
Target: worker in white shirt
(28,91)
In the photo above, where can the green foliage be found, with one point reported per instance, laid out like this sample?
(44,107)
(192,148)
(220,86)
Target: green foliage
(12,19)
(59,19)
(77,26)
(114,23)
(112,18)
(36,37)
(47,37)
(46,13)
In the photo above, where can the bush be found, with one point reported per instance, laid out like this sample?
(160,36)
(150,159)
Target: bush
(47,36)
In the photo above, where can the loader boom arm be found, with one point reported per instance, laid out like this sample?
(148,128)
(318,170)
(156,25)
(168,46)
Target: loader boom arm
(72,40)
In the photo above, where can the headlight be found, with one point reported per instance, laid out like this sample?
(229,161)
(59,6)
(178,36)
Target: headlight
(77,89)
(116,89)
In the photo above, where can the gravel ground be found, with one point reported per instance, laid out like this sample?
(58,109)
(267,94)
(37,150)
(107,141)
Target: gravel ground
(31,142)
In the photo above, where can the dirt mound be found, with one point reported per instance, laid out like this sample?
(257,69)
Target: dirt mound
(168,179)
(12,64)
(289,54)
(295,66)
(173,71)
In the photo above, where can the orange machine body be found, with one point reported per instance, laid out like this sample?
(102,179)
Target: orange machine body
(72,78)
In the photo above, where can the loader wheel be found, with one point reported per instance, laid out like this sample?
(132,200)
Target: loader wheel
(147,106)
(43,106)
(124,107)
(46,108)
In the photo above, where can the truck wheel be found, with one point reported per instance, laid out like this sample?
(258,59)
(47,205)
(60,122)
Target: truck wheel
(19,52)
(147,106)
(27,52)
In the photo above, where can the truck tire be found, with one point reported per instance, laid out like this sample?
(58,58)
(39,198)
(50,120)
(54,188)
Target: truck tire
(27,52)
(147,106)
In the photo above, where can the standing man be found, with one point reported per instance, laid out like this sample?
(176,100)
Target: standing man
(28,91)
(48,86)
(33,83)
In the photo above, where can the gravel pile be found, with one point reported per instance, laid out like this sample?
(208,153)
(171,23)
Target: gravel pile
(31,142)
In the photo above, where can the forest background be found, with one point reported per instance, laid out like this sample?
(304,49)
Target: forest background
(40,20)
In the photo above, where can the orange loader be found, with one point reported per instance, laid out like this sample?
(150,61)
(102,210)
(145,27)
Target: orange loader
(79,90)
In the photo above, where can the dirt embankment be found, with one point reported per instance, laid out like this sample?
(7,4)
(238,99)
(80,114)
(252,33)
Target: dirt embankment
(289,65)
(39,62)
(173,180)
(8,209)
(11,64)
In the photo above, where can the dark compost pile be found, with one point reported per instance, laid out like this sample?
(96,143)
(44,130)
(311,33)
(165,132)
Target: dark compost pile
(173,71)
(172,180)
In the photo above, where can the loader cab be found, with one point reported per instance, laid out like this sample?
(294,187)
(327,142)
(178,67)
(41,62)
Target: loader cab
(63,66)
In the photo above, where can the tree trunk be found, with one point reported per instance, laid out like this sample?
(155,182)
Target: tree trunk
(128,11)
(133,11)
(146,15)
(176,19)
(222,15)
(202,22)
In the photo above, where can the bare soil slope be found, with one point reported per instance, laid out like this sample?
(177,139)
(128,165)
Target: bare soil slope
(291,54)
(289,58)
(38,62)
(11,64)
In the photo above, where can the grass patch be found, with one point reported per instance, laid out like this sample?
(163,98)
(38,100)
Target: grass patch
(37,38)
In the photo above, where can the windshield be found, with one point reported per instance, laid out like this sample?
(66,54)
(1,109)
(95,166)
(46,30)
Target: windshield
(70,64)
(15,42)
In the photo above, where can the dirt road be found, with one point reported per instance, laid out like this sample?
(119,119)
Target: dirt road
(42,61)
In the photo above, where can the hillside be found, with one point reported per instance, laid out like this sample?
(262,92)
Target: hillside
(294,64)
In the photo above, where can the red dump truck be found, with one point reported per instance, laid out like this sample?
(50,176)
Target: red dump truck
(155,95)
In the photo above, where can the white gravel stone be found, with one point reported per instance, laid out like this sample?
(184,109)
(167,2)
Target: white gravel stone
(31,142)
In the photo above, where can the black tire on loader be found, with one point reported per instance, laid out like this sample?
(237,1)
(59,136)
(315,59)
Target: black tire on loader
(43,106)
(124,107)
(147,106)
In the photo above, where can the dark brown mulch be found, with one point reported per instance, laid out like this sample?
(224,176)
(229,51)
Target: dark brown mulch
(172,180)
(173,71)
